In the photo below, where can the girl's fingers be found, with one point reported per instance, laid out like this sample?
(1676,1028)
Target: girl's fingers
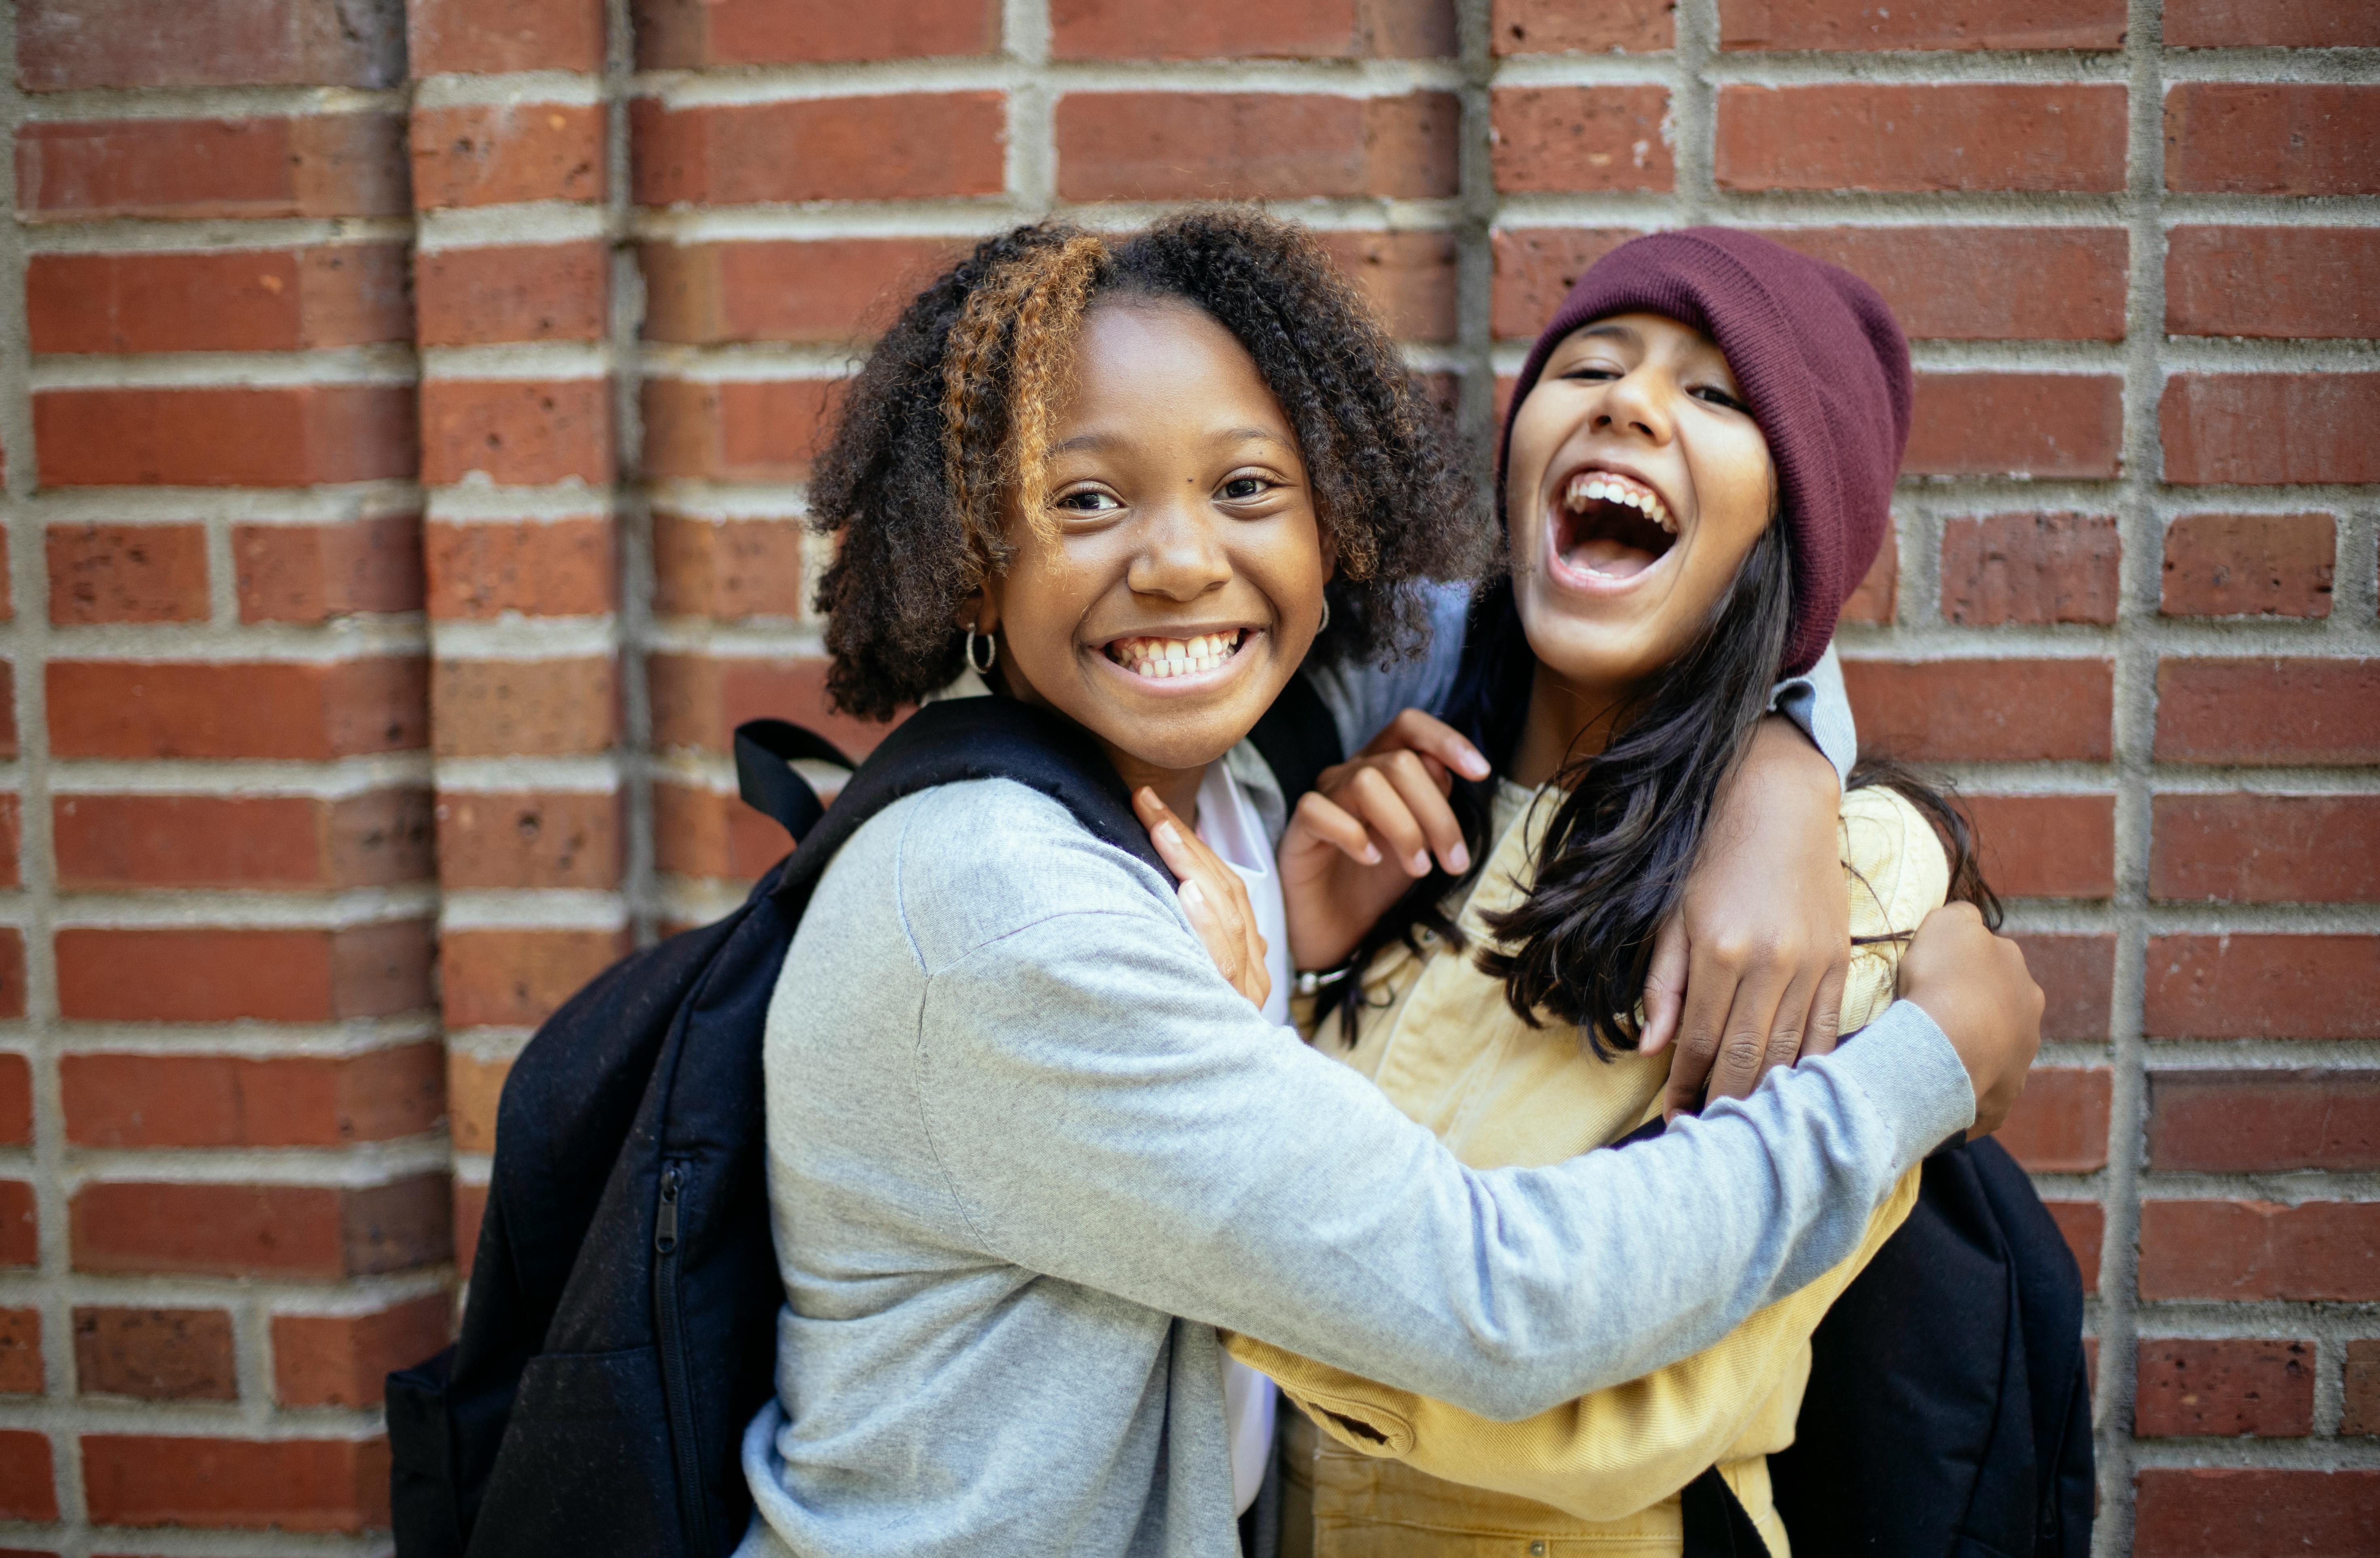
(1214,898)
(1425,803)
(1752,1019)
(1327,820)
(1374,796)
(1701,1023)
(1414,731)
(1665,986)
(1825,1018)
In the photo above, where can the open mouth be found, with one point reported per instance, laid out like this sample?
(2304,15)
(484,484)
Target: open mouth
(1162,659)
(1612,525)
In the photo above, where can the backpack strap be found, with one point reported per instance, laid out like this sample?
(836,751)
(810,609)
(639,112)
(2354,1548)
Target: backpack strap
(1298,739)
(765,749)
(960,739)
(1716,1523)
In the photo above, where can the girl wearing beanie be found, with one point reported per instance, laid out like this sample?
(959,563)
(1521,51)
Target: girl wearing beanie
(1696,470)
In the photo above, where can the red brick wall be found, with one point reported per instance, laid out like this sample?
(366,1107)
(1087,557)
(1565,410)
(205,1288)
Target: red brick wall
(404,408)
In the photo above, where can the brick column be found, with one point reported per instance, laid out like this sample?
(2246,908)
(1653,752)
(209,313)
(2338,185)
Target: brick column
(219,962)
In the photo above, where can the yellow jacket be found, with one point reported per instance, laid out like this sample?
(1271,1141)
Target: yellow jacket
(1394,1475)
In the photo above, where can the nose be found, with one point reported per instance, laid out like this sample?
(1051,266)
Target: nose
(1181,554)
(1636,402)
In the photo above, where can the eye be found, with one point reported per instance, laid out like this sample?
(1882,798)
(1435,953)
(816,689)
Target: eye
(1713,395)
(1591,372)
(1243,488)
(1086,500)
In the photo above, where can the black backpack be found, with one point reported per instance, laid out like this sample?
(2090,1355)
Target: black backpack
(1947,1413)
(622,1325)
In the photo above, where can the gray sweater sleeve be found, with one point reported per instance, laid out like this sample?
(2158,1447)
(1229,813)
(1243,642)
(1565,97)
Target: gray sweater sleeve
(1106,1110)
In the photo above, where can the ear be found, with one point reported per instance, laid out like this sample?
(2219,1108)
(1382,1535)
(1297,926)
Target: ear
(980,609)
(1330,552)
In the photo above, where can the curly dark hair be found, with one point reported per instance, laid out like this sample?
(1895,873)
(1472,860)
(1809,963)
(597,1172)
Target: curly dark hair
(947,422)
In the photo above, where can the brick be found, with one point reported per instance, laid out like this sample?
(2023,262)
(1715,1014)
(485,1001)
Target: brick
(1985,283)
(558,838)
(312,573)
(2266,849)
(555,567)
(232,1101)
(2268,710)
(212,975)
(2244,1250)
(105,842)
(1874,598)
(1407,277)
(294,1230)
(342,1360)
(156,1355)
(2192,1512)
(516,433)
(63,45)
(474,1089)
(1557,140)
(1536,268)
(2189,1388)
(1256,146)
(20,1353)
(707,834)
(1554,27)
(689,34)
(308,709)
(2270,428)
(2282,24)
(294,1484)
(2060,1124)
(902,147)
(2083,1225)
(513,292)
(2016,424)
(2029,567)
(12,827)
(2046,847)
(1984,711)
(525,708)
(328,164)
(489,37)
(2273,282)
(127,572)
(2362,1414)
(2077,975)
(12,973)
(2247,986)
(2240,137)
(1921,139)
(1251,30)
(27,1491)
(16,1101)
(727,568)
(816,290)
(700,699)
(285,299)
(763,429)
(8,710)
(500,155)
(2264,1121)
(1832,25)
(2249,564)
(517,978)
(286,436)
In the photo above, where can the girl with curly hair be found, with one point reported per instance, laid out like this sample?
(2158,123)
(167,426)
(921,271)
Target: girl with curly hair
(1033,1135)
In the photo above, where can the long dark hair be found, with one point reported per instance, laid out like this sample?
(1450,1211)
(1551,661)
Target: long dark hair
(1615,856)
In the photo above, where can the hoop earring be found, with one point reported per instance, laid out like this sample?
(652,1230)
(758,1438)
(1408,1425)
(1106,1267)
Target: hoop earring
(1326,617)
(991,657)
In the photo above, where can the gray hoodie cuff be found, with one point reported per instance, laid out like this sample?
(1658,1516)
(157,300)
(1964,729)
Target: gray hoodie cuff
(1903,1064)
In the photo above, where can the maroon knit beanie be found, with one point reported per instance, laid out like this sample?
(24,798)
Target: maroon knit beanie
(1823,365)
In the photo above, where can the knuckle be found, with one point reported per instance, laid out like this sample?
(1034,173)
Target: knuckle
(1744,1051)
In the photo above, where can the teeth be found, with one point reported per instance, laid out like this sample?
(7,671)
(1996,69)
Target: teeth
(1601,486)
(1161,659)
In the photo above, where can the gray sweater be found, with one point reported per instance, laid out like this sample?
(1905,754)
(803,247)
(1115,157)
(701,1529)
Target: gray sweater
(1027,1149)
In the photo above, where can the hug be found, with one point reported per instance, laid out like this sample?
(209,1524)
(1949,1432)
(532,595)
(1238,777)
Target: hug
(1241,1176)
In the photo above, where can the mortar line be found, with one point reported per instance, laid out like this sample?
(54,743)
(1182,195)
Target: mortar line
(36,852)
(629,500)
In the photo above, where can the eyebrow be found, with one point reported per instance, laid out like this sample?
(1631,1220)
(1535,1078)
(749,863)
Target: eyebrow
(1108,440)
(1616,332)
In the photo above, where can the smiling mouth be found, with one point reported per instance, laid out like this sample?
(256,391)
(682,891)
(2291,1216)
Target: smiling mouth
(1161,659)
(1612,525)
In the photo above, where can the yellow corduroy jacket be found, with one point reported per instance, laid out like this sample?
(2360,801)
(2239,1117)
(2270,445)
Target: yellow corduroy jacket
(1394,1475)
